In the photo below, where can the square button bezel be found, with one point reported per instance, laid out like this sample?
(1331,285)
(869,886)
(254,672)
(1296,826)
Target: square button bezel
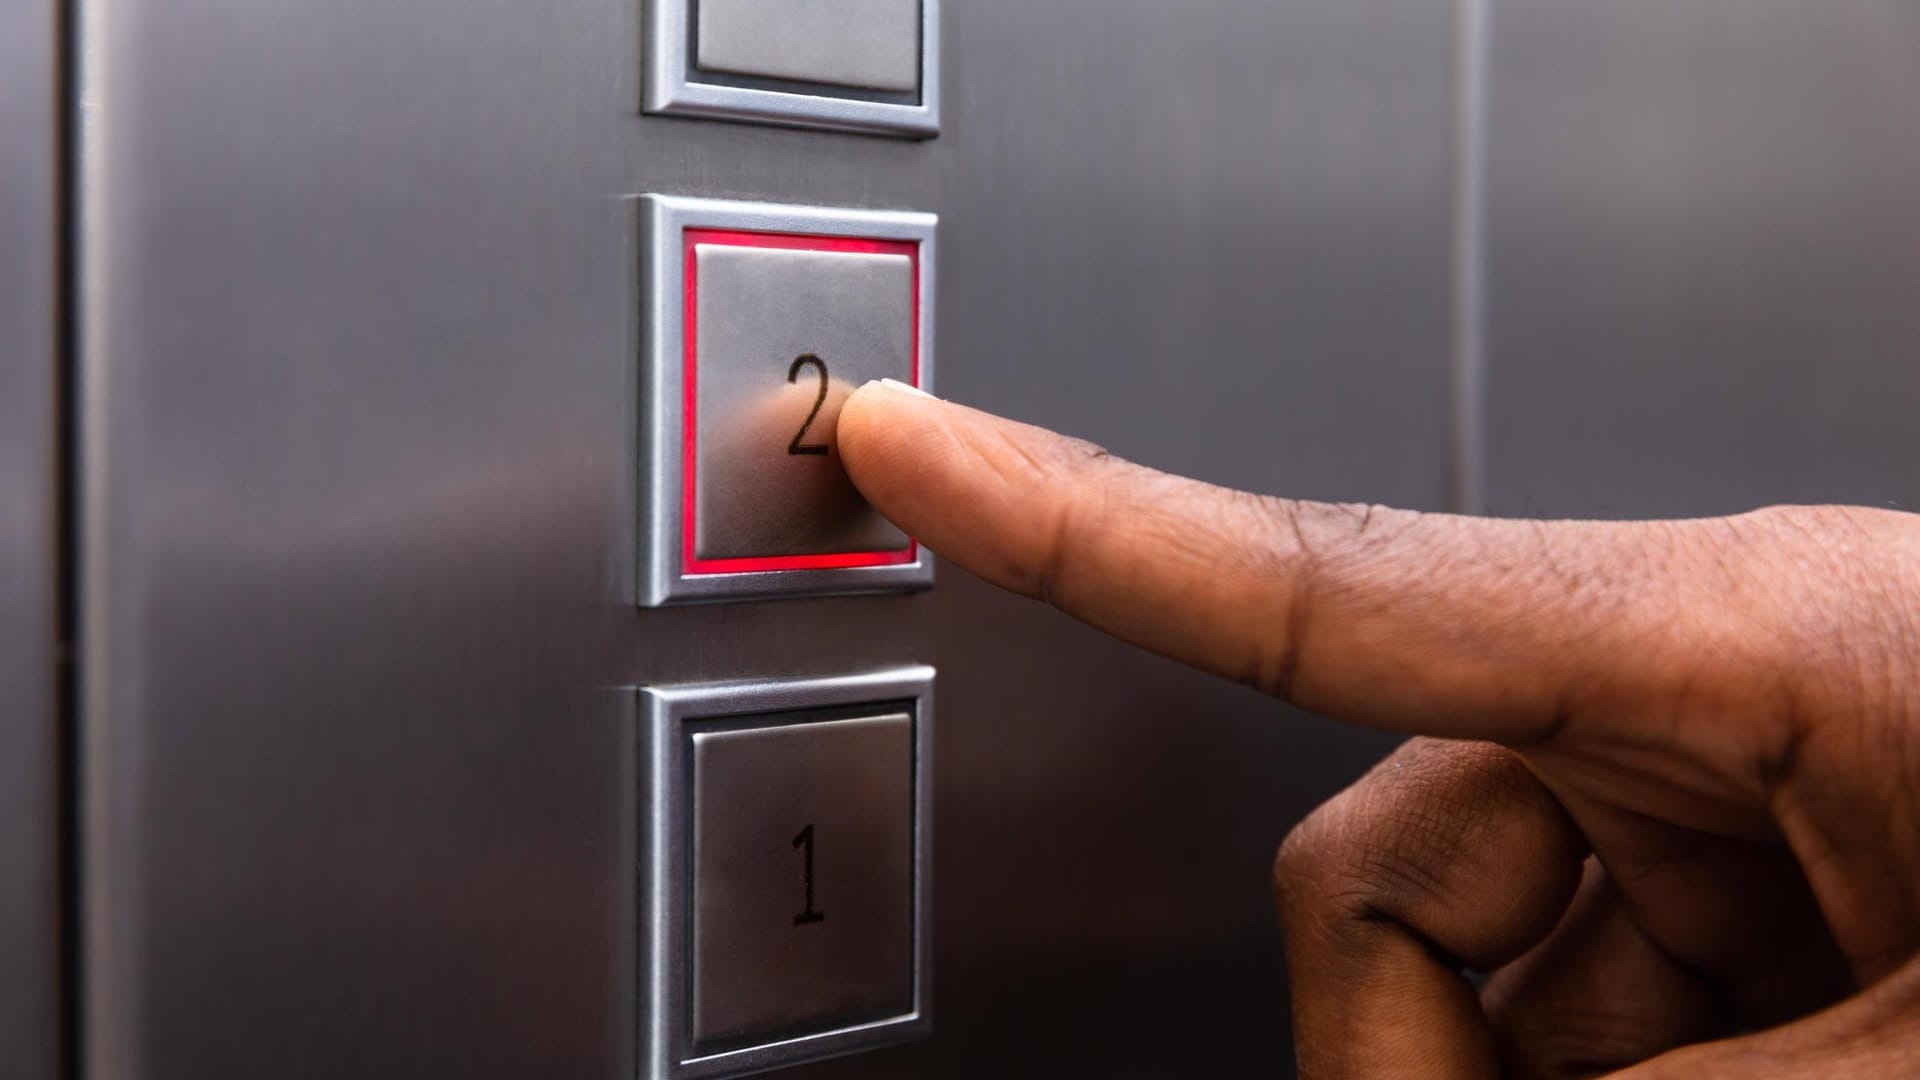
(668,575)
(675,85)
(666,818)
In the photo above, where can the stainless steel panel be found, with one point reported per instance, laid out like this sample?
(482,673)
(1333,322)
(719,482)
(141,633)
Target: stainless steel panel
(360,374)
(30,921)
(357,539)
(765,315)
(870,43)
(1703,243)
(775,90)
(817,931)
(669,717)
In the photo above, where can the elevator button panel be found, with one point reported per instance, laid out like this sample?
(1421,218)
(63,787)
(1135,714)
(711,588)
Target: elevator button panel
(759,321)
(861,65)
(786,859)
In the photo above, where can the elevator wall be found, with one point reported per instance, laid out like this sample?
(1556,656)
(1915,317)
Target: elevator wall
(356,350)
(1701,250)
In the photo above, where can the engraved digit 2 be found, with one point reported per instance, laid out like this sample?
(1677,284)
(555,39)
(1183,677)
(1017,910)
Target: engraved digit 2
(796,446)
(808,916)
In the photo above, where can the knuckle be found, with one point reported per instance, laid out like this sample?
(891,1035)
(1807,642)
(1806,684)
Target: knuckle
(1386,844)
(1306,850)
(1453,842)
(1335,868)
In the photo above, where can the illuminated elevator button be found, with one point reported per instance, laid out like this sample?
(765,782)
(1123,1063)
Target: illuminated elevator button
(781,336)
(758,321)
(802,878)
(872,44)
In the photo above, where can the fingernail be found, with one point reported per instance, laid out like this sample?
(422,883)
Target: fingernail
(895,384)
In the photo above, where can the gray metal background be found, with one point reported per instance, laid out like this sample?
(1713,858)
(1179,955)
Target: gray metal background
(358,368)
(1703,255)
(29,731)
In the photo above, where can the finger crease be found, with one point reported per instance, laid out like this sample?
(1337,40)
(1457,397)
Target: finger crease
(1299,612)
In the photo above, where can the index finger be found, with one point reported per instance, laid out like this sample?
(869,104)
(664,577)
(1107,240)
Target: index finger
(1435,623)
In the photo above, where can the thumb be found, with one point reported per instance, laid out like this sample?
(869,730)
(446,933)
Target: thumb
(1867,1035)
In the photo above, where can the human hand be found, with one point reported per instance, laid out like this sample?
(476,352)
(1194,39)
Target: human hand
(1668,797)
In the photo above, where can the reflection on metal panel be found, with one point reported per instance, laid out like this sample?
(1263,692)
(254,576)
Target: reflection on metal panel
(29,757)
(359,388)
(1703,245)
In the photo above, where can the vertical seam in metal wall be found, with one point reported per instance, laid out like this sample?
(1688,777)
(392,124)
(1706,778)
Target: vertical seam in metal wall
(1467,464)
(98,1049)
(67,526)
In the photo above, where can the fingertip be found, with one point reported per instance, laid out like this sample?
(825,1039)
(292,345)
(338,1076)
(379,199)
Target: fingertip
(964,483)
(873,426)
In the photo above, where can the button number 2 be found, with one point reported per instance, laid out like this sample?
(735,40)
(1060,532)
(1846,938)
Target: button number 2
(796,446)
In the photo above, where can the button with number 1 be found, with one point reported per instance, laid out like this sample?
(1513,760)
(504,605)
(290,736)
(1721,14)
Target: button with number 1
(784,847)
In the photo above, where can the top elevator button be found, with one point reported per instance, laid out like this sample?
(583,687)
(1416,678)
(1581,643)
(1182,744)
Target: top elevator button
(867,44)
(870,66)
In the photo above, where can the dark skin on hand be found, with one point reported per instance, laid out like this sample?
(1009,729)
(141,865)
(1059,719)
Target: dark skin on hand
(1666,789)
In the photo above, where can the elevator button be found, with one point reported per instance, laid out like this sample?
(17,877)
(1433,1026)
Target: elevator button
(782,337)
(784,849)
(758,320)
(870,44)
(870,66)
(803,867)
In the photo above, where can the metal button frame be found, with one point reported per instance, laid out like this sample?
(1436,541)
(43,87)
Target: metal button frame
(665,818)
(666,576)
(674,85)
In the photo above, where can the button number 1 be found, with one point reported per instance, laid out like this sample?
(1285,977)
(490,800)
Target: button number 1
(804,841)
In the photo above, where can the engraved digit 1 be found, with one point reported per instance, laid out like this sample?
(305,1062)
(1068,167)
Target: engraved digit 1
(793,376)
(805,842)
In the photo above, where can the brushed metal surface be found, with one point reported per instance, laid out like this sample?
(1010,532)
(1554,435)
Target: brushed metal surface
(868,43)
(29,415)
(359,362)
(768,961)
(358,387)
(1703,243)
(760,311)
(667,718)
(675,85)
